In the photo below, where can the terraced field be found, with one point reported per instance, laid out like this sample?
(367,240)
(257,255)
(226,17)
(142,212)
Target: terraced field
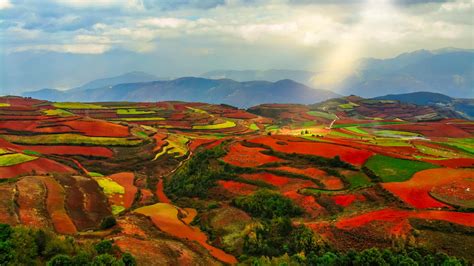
(202,184)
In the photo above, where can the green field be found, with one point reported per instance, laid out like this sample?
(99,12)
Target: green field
(369,124)
(70,139)
(226,124)
(395,170)
(73,105)
(357,130)
(358,180)
(57,112)
(466,144)
(322,115)
(254,127)
(133,111)
(133,119)
(394,133)
(109,186)
(15,158)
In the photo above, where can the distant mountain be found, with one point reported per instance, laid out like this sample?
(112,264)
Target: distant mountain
(131,77)
(465,107)
(448,71)
(240,94)
(273,75)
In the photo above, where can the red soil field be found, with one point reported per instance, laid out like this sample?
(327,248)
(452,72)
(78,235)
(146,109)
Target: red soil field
(415,191)
(397,218)
(20,101)
(347,154)
(68,150)
(308,203)
(126,180)
(284,184)
(147,196)
(240,155)
(160,140)
(195,143)
(39,166)
(456,193)
(309,172)
(237,187)
(7,209)
(346,200)
(30,200)
(453,163)
(239,114)
(438,129)
(55,205)
(33,126)
(272,179)
(98,128)
(160,194)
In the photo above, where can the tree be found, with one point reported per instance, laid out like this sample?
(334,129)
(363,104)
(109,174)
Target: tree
(106,260)
(128,259)
(104,247)
(60,260)
(108,222)
(5,232)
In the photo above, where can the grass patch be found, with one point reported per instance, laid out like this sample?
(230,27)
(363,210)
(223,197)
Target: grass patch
(322,115)
(133,119)
(395,133)
(226,124)
(395,170)
(57,112)
(15,158)
(70,139)
(133,111)
(357,130)
(95,174)
(76,105)
(109,186)
(254,127)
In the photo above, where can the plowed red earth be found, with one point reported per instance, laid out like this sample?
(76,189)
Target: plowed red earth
(30,200)
(160,140)
(453,163)
(308,203)
(59,150)
(398,218)
(240,155)
(416,190)
(237,187)
(347,154)
(98,128)
(126,180)
(438,129)
(55,205)
(39,166)
(284,184)
(346,200)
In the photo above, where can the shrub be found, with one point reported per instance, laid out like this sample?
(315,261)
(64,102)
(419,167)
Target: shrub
(60,260)
(267,204)
(104,247)
(108,222)
(128,259)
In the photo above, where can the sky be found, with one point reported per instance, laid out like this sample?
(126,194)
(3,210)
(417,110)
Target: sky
(65,43)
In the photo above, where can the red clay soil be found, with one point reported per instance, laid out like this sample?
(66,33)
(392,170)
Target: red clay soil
(98,128)
(307,203)
(398,218)
(237,187)
(416,190)
(55,205)
(33,126)
(7,208)
(30,200)
(160,140)
(39,166)
(147,196)
(240,155)
(239,114)
(434,129)
(59,150)
(195,143)
(284,184)
(346,200)
(453,163)
(160,194)
(347,154)
(126,180)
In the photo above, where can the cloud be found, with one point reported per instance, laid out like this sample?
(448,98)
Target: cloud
(4,4)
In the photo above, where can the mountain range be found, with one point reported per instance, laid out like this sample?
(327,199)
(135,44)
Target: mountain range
(241,94)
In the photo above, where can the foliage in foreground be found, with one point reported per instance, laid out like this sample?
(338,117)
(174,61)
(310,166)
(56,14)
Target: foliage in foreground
(267,204)
(26,246)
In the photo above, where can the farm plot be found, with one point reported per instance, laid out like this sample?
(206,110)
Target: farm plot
(416,191)
(223,125)
(237,188)
(30,200)
(114,192)
(7,205)
(243,156)
(38,166)
(70,139)
(395,170)
(347,154)
(284,184)
(165,217)
(126,180)
(55,205)
(15,158)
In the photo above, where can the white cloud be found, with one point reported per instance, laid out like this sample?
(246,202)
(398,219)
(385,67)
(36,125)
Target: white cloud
(66,48)
(4,4)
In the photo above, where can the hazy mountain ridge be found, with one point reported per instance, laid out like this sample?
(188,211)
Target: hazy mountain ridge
(241,94)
